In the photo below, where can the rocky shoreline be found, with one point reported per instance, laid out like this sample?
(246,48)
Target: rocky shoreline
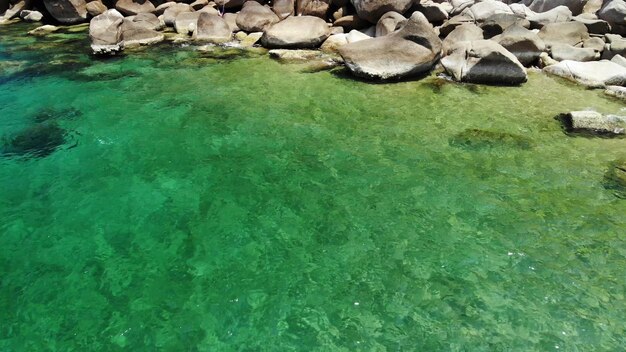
(471,41)
(474,41)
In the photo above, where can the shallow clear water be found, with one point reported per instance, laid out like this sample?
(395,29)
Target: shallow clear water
(220,202)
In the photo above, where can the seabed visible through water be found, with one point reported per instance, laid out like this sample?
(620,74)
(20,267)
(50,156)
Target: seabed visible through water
(222,201)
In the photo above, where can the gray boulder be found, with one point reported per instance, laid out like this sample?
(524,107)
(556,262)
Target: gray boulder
(594,25)
(212,29)
(159,10)
(413,50)
(67,11)
(283,8)
(186,22)
(556,15)
(619,59)
(133,7)
(523,43)
(483,61)
(255,17)
(463,33)
(372,10)
(351,22)
(318,8)
(561,52)
(172,11)
(596,74)
(614,12)
(497,23)
(389,23)
(575,6)
(435,12)
(14,11)
(481,11)
(147,20)
(105,32)
(231,20)
(616,91)
(572,33)
(139,33)
(95,8)
(296,32)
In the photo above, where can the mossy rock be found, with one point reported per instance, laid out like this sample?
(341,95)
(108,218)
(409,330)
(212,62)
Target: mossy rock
(38,140)
(477,139)
(615,178)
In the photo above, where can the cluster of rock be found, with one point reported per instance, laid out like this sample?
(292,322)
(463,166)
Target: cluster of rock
(479,41)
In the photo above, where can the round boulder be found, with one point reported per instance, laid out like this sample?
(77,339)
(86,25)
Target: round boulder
(296,32)
(67,11)
(372,10)
(254,17)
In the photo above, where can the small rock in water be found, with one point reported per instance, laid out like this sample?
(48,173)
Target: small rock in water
(592,122)
(477,139)
(38,140)
(43,30)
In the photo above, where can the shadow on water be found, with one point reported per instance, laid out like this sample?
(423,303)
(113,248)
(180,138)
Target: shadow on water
(36,141)
(439,84)
(342,72)
(477,140)
(615,178)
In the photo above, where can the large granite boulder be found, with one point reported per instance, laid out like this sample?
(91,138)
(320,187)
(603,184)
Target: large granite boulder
(463,33)
(172,11)
(389,23)
(105,32)
(481,11)
(372,10)
(523,43)
(413,50)
(556,15)
(147,20)
(592,74)
(296,32)
(572,33)
(186,22)
(594,24)
(575,6)
(496,24)
(67,11)
(212,29)
(435,12)
(254,17)
(133,7)
(483,61)
(139,33)
(614,12)
(318,8)
(283,8)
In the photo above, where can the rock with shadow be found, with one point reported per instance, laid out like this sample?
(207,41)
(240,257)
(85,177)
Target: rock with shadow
(478,140)
(592,123)
(484,62)
(411,51)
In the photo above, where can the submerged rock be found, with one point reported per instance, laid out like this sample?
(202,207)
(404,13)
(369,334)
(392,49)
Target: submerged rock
(477,139)
(592,122)
(38,140)
(615,178)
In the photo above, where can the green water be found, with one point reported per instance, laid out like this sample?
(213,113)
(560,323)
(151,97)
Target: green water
(221,201)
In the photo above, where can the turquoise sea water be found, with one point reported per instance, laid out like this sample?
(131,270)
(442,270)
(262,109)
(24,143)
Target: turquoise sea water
(222,201)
